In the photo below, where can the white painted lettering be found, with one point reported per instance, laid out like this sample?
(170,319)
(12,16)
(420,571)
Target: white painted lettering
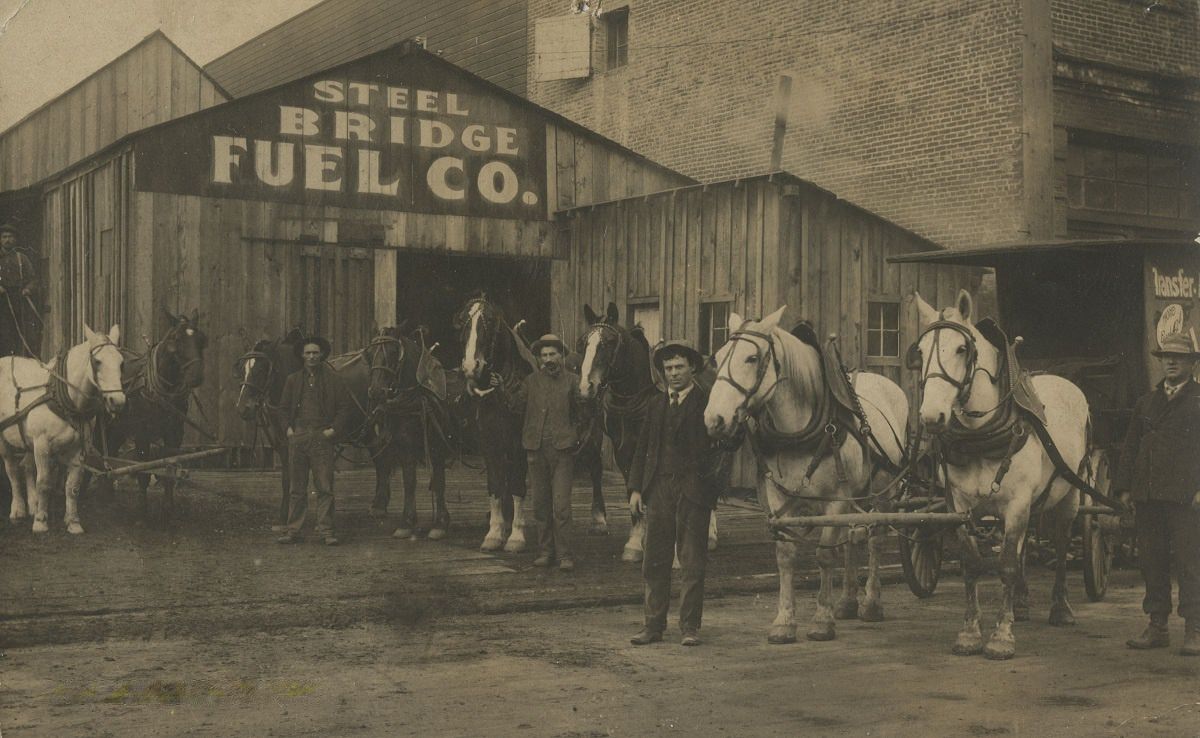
(398,98)
(352,126)
(399,125)
(360,93)
(323,167)
(497,182)
(370,180)
(474,138)
(329,90)
(452,107)
(438,178)
(227,154)
(435,134)
(506,141)
(427,101)
(298,121)
(274,163)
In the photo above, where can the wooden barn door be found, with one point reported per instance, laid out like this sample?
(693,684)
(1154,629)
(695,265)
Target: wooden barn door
(336,286)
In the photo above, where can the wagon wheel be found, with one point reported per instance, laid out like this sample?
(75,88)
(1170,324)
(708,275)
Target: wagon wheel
(921,558)
(1097,548)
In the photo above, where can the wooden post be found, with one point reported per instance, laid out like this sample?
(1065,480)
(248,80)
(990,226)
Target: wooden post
(783,97)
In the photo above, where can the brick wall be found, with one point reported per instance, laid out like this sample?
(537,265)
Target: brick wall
(910,108)
(1161,36)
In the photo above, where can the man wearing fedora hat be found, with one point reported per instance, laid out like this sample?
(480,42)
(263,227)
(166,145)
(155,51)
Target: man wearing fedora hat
(550,439)
(19,331)
(673,482)
(316,411)
(1160,472)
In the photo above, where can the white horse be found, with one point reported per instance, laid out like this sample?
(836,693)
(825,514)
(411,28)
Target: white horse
(771,375)
(91,377)
(955,398)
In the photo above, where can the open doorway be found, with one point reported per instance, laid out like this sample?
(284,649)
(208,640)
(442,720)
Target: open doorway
(431,288)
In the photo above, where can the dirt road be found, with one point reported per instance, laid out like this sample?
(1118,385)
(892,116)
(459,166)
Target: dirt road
(573,673)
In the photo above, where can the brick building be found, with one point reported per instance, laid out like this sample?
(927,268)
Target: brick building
(977,121)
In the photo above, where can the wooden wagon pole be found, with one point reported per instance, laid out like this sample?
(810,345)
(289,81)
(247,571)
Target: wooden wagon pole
(871,518)
(160,463)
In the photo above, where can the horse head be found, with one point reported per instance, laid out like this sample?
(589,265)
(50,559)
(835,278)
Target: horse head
(479,323)
(254,371)
(186,343)
(385,357)
(606,348)
(948,354)
(104,367)
(748,370)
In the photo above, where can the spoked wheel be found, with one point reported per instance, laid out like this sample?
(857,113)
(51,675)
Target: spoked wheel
(1097,548)
(921,558)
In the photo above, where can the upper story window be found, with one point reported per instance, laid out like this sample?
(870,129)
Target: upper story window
(1131,177)
(616,25)
(714,326)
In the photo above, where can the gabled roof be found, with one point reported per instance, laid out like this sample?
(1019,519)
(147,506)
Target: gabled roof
(156,35)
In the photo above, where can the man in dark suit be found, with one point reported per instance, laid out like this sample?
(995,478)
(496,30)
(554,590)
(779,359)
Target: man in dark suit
(672,483)
(316,411)
(1160,471)
(20,334)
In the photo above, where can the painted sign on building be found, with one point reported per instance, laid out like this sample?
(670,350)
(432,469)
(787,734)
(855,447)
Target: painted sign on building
(1172,289)
(385,133)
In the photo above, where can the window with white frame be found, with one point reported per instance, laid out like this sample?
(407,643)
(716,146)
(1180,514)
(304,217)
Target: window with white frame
(714,326)
(883,329)
(616,25)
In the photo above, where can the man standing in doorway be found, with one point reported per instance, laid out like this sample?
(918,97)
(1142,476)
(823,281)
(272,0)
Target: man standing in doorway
(19,332)
(1160,471)
(550,438)
(317,410)
(673,482)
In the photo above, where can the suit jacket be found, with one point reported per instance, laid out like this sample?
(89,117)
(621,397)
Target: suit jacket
(701,456)
(1161,458)
(331,394)
(550,401)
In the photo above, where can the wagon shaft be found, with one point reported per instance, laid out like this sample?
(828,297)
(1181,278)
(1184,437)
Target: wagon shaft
(852,519)
(169,461)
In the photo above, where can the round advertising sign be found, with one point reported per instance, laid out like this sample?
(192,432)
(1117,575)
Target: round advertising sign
(1171,321)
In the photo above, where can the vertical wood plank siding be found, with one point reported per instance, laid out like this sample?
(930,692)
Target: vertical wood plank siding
(759,244)
(152,82)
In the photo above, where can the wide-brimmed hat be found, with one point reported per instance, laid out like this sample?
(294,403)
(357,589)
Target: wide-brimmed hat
(548,340)
(9,228)
(326,348)
(1177,344)
(679,347)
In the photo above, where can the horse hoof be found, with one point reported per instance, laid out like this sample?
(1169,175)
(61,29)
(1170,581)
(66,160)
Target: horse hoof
(712,544)
(1000,650)
(968,645)
(436,534)
(405,533)
(278,528)
(821,632)
(781,635)
(632,555)
(1021,614)
(74,529)
(846,609)
(515,544)
(491,543)
(377,514)
(40,527)
(1061,616)
(872,612)
(598,529)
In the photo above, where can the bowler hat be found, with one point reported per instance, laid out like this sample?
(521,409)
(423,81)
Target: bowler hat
(1177,344)
(678,348)
(9,228)
(326,349)
(548,340)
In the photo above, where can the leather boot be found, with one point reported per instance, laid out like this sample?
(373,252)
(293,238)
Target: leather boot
(1155,635)
(1191,638)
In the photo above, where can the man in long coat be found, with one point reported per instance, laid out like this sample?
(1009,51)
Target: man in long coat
(1160,472)
(673,482)
(316,410)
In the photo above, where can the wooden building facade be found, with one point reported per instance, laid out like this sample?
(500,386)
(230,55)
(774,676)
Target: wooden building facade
(323,203)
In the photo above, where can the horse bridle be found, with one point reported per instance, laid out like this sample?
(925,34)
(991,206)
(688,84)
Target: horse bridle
(963,385)
(618,338)
(266,385)
(725,374)
(377,344)
(95,366)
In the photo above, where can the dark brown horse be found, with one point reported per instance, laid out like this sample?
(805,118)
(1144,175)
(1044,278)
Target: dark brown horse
(406,418)
(616,377)
(158,390)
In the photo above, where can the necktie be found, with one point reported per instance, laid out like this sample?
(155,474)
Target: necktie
(675,399)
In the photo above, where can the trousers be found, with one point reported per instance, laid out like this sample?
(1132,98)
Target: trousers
(550,475)
(310,451)
(1168,539)
(674,521)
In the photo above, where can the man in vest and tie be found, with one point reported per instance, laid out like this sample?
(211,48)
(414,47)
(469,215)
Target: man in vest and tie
(672,482)
(1160,472)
